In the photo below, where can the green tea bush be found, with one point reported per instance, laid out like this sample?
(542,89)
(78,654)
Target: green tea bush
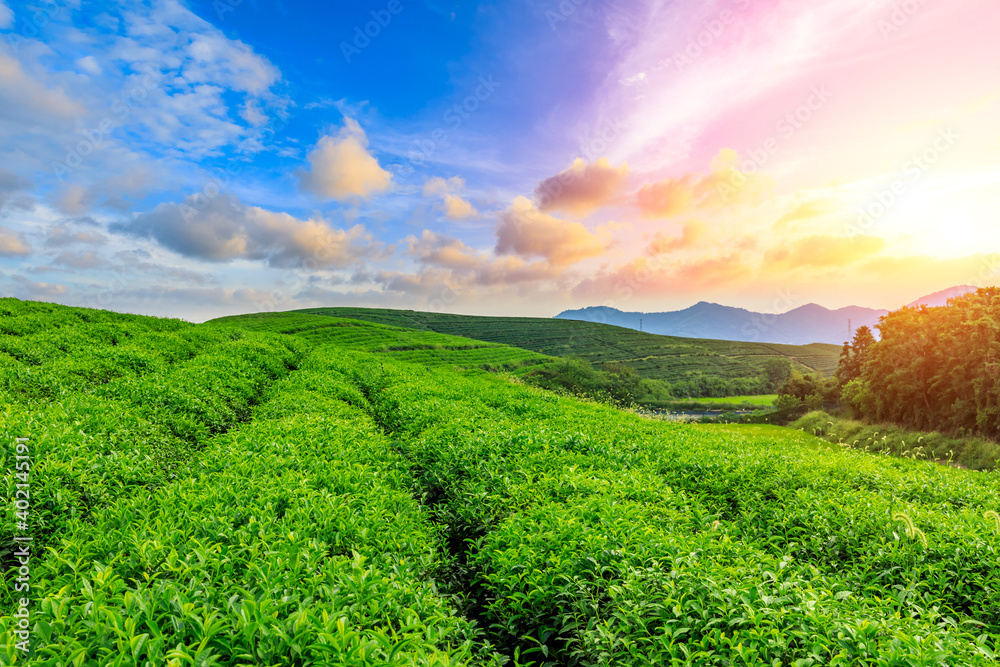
(293,540)
(225,502)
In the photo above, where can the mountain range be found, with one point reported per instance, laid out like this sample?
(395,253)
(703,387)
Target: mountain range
(807,324)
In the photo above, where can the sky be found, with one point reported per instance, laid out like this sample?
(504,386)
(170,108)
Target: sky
(205,158)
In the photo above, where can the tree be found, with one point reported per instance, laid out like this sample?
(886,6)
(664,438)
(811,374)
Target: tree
(624,382)
(777,371)
(855,355)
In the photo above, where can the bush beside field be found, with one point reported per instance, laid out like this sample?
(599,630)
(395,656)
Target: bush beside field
(889,439)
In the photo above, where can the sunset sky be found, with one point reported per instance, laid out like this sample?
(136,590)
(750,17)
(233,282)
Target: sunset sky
(512,157)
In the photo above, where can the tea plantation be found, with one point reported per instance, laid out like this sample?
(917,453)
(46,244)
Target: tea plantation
(657,357)
(370,495)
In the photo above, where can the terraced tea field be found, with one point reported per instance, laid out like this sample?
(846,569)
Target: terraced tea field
(356,494)
(657,357)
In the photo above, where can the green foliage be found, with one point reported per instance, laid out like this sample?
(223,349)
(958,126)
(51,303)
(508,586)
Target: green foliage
(118,413)
(616,383)
(602,538)
(691,367)
(271,548)
(888,439)
(855,355)
(777,370)
(786,402)
(936,368)
(246,506)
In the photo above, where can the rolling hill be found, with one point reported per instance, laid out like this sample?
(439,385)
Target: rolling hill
(668,358)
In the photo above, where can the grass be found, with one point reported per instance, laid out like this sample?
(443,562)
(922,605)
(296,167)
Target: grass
(889,439)
(766,400)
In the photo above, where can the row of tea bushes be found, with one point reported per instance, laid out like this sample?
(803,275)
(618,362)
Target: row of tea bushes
(130,435)
(292,540)
(604,538)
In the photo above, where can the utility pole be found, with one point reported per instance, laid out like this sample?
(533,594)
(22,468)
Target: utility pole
(850,329)
(640,324)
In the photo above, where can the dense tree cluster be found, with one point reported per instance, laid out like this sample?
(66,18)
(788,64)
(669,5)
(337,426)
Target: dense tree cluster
(615,382)
(932,369)
(622,384)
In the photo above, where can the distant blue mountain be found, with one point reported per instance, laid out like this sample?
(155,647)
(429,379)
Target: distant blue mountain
(807,324)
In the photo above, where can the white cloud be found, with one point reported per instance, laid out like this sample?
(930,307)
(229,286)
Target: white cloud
(89,65)
(524,230)
(342,168)
(224,229)
(437,186)
(144,98)
(12,244)
(454,206)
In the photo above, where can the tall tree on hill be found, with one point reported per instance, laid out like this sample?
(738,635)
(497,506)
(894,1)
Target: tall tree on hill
(854,355)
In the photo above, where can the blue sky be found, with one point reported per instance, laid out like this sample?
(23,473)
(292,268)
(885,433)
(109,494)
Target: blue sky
(206,158)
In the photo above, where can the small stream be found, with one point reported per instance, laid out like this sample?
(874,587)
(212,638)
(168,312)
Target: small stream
(690,415)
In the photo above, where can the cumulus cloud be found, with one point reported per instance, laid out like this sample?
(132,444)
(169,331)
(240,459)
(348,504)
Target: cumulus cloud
(456,208)
(820,251)
(342,168)
(63,235)
(89,65)
(444,251)
(724,185)
(74,200)
(693,232)
(80,260)
(12,244)
(437,186)
(526,231)
(453,205)
(445,260)
(225,229)
(582,188)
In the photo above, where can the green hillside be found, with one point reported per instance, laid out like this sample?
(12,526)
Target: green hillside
(403,344)
(658,357)
(360,495)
